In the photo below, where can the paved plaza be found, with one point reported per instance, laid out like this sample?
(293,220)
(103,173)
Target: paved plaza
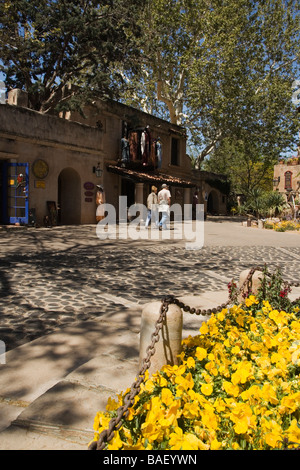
(71,308)
(56,276)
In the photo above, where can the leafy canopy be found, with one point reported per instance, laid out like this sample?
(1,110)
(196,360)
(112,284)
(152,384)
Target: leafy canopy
(48,44)
(223,69)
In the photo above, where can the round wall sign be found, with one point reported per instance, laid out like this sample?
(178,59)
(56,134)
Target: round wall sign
(89,186)
(40,168)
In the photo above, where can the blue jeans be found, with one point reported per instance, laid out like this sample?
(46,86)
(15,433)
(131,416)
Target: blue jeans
(151,214)
(164,219)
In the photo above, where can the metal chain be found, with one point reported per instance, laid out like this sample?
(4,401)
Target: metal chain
(128,400)
(115,423)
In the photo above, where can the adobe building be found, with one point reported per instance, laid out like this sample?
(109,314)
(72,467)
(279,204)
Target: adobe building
(50,166)
(213,191)
(47,168)
(287,179)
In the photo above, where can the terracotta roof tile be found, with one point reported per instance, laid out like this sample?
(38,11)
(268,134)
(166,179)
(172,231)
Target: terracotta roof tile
(150,177)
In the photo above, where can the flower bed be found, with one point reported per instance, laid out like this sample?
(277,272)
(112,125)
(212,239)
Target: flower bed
(236,386)
(282,226)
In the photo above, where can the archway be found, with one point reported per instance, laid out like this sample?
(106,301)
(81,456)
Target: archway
(213,203)
(69,197)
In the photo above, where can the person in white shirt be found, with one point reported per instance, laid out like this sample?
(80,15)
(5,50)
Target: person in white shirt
(164,202)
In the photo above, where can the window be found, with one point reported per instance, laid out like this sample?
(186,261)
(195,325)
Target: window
(175,151)
(288,180)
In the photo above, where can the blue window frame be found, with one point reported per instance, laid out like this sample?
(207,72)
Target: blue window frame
(16,197)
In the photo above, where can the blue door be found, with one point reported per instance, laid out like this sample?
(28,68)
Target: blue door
(17,176)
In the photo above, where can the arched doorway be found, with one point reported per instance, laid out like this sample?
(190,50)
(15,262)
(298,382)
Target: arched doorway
(69,197)
(213,203)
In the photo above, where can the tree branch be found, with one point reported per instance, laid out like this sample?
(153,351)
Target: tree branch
(289,62)
(210,147)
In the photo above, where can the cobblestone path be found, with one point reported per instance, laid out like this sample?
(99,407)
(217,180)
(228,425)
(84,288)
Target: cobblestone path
(51,278)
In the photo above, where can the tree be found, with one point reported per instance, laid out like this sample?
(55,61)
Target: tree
(246,169)
(224,69)
(49,45)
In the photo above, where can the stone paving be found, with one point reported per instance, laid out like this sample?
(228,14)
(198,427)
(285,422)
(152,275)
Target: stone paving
(50,278)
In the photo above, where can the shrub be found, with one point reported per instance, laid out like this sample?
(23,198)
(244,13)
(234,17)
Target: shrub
(269,226)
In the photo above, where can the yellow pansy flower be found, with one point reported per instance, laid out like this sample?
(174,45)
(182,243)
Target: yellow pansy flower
(268,393)
(241,427)
(161,381)
(243,373)
(231,389)
(180,441)
(208,378)
(241,414)
(112,404)
(208,417)
(291,402)
(278,317)
(116,443)
(272,432)
(204,328)
(211,367)
(151,431)
(201,353)
(167,396)
(149,386)
(251,300)
(221,315)
(207,389)
(191,410)
(215,445)
(293,433)
(190,362)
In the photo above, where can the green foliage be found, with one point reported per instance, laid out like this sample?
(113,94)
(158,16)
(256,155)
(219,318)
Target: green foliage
(225,71)
(222,186)
(244,166)
(49,44)
(264,204)
(272,288)
(222,69)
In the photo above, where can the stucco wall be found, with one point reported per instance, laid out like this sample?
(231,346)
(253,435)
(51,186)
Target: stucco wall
(281,169)
(73,147)
(26,136)
(111,115)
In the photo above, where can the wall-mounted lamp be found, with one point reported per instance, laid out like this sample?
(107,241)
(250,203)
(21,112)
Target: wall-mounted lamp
(276,181)
(97,170)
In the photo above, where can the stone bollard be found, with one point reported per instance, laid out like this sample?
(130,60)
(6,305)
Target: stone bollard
(170,336)
(255,282)
(2,352)
(260,224)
